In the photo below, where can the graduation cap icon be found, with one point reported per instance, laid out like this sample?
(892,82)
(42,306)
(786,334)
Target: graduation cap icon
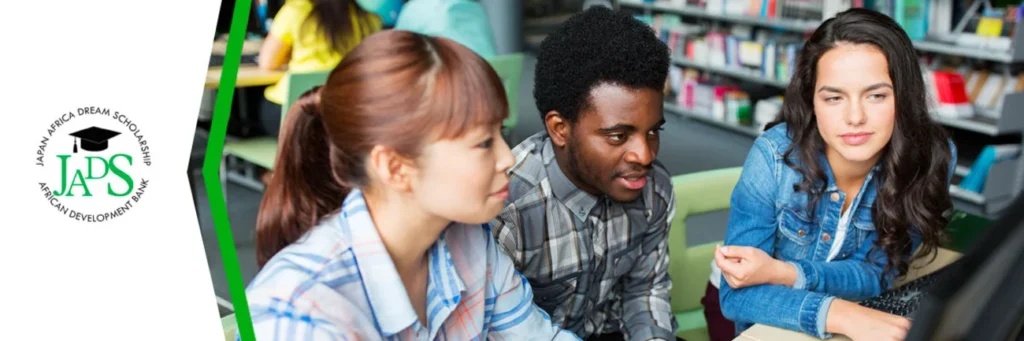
(94,139)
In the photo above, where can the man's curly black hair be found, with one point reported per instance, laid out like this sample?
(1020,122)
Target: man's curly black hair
(596,46)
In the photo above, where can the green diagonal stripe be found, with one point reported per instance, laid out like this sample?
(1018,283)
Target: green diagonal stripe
(211,168)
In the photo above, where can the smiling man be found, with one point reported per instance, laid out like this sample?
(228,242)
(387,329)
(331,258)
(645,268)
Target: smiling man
(589,207)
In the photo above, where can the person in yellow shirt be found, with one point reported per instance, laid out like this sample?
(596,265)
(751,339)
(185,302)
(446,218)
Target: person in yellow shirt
(309,35)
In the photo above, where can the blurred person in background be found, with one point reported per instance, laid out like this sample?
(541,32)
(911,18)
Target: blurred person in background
(306,36)
(463,21)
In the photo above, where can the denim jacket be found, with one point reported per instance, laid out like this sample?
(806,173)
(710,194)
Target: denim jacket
(766,213)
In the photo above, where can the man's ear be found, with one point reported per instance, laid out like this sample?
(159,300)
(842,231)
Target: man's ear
(558,128)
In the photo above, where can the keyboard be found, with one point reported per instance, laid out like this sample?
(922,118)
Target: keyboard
(218,60)
(903,301)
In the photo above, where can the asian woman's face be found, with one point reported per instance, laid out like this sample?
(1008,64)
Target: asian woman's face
(465,179)
(854,102)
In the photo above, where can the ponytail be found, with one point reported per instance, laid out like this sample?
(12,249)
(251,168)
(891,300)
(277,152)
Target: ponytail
(327,136)
(303,187)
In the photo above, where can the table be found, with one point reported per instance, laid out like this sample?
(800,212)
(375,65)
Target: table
(767,333)
(249,46)
(248,76)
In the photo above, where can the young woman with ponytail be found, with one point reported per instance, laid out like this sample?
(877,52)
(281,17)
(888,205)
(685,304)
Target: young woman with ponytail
(373,224)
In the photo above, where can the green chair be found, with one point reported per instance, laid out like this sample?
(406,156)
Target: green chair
(261,151)
(690,267)
(230,326)
(509,68)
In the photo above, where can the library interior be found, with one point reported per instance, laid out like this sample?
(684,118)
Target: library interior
(731,63)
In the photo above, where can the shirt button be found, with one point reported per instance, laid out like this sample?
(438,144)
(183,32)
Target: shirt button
(825,237)
(801,233)
(835,196)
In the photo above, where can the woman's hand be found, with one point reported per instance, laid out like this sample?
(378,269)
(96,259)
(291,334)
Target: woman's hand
(862,323)
(745,266)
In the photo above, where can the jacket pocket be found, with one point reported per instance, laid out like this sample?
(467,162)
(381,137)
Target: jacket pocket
(796,235)
(863,226)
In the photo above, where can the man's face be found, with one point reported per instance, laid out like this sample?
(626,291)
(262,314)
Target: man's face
(614,141)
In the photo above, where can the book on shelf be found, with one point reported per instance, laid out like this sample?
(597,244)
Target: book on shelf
(940,19)
(949,94)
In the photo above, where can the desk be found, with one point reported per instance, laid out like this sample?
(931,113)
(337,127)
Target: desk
(249,46)
(767,333)
(248,75)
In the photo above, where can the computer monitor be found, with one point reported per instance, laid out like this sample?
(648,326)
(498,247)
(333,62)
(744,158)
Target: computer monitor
(981,296)
(227,9)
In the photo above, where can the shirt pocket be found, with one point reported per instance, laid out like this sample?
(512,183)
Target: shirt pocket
(551,295)
(795,236)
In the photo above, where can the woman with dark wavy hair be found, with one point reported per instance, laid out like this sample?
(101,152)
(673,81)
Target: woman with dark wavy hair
(840,194)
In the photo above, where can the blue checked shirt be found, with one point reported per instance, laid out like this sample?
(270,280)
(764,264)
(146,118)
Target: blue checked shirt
(339,283)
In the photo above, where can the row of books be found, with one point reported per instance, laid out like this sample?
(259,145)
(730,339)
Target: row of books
(813,10)
(693,91)
(959,92)
(762,52)
(919,18)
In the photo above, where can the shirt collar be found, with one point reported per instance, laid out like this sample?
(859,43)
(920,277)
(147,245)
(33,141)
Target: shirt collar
(578,201)
(385,292)
(827,168)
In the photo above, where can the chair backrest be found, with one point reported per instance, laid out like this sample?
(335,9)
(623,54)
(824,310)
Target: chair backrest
(510,68)
(696,193)
(701,192)
(300,82)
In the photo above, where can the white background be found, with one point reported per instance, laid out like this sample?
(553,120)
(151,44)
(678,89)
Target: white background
(143,276)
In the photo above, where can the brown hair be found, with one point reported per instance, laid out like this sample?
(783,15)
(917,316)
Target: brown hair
(396,88)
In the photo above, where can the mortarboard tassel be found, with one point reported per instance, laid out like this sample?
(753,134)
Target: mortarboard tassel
(76,146)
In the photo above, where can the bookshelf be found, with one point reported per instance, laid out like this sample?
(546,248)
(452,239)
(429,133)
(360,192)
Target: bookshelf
(1005,179)
(1013,55)
(1008,123)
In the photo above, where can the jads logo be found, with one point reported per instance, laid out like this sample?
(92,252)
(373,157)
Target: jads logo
(102,176)
(95,139)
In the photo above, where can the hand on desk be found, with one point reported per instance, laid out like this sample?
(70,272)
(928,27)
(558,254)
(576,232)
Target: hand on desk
(860,323)
(744,266)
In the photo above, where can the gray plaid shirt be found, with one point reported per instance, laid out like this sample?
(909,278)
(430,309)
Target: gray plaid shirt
(596,265)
